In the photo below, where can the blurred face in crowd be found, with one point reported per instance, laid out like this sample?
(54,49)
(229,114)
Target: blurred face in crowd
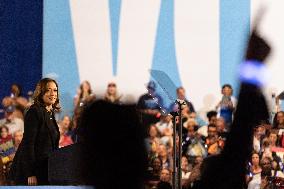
(4,132)
(212,131)
(86,86)
(280,118)
(181,94)
(153,131)
(184,163)
(191,131)
(272,138)
(185,111)
(157,164)
(111,89)
(213,120)
(198,160)
(255,159)
(65,122)
(163,151)
(18,136)
(220,124)
(265,163)
(227,91)
(15,90)
(192,115)
(50,96)
(167,118)
(165,175)
(9,116)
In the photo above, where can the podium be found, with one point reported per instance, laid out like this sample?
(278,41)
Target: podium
(66,166)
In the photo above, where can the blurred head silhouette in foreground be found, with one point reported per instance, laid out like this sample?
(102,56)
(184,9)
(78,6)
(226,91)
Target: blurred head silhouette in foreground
(111,138)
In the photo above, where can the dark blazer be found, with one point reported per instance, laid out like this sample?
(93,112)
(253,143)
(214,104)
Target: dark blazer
(40,139)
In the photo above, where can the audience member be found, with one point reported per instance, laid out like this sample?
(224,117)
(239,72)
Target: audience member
(212,118)
(17,100)
(13,123)
(227,104)
(111,94)
(7,149)
(181,96)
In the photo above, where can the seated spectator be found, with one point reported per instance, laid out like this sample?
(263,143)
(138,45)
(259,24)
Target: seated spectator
(192,145)
(165,129)
(13,123)
(152,141)
(212,118)
(266,164)
(266,151)
(153,175)
(18,136)
(7,149)
(278,121)
(227,104)
(259,134)
(194,177)
(165,179)
(181,96)
(17,100)
(111,94)
(273,139)
(167,161)
(185,168)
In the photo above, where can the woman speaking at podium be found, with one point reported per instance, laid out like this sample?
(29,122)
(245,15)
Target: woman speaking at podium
(41,136)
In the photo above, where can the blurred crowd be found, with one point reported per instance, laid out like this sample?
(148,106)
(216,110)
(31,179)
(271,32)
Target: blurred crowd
(200,138)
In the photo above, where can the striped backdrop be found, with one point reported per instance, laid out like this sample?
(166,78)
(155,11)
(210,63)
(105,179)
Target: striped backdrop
(198,44)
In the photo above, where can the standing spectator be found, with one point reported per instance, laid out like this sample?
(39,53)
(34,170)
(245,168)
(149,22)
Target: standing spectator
(13,123)
(227,104)
(16,99)
(150,105)
(111,94)
(84,94)
(181,96)
(254,169)
(64,140)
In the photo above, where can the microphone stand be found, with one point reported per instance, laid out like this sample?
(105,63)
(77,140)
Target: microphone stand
(177,169)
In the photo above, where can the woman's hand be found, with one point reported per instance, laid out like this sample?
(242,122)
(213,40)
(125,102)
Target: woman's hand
(32,181)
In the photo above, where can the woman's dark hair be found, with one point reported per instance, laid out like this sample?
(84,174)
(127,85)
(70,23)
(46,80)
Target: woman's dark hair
(41,89)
